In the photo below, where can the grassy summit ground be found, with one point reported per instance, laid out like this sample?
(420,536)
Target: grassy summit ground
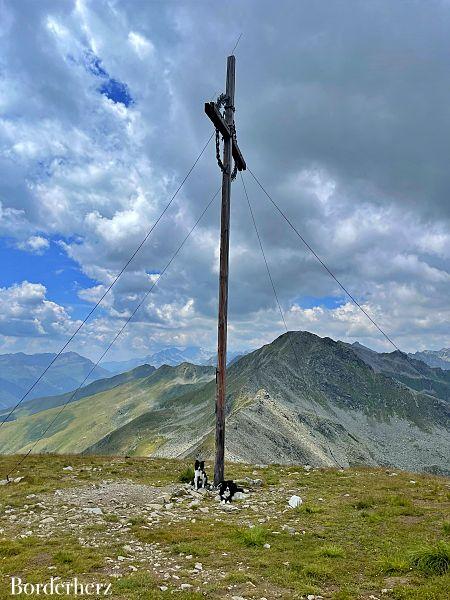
(360,533)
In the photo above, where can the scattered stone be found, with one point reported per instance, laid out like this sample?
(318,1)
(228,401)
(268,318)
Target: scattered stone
(69,468)
(295,501)
(412,481)
(185,586)
(17,479)
(163,588)
(93,511)
(266,546)
(289,529)
(204,509)
(121,558)
(48,520)
(199,566)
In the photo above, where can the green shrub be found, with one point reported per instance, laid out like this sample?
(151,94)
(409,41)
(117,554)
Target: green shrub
(309,509)
(446,526)
(111,518)
(332,551)
(8,548)
(187,475)
(137,520)
(432,560)
(252,536)
(364,503)
(64,558)
(316,572)
(394,564)
(399,501)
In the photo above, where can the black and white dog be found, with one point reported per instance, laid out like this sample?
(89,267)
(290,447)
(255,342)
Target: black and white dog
(227,490)
(200,476)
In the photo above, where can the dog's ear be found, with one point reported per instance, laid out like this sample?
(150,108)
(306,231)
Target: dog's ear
(197,464)
(202,464)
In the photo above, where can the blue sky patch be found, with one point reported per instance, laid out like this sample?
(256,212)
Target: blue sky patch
(115,90)
(54,269)
(323,301)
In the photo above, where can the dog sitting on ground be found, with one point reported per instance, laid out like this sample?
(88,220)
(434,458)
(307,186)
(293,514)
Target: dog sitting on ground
(227,490)
(200,476)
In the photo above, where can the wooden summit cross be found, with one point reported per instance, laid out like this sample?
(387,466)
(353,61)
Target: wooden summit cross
(224,125)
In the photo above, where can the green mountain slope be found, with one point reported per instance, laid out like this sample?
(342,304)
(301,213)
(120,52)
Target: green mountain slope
(87,420)
(101,385)
(319,405)
(284,410)
(414,373)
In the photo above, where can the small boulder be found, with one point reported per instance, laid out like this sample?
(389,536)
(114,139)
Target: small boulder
(48,520)
(295,501)
(69,468)
(94,511)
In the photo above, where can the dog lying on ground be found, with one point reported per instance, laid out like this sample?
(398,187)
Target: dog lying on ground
(227,490)
(200,476)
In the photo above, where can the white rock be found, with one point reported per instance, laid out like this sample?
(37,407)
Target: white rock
(239,496)
(17,479)
(69,468)
(93,511)
(266,546)
(199,566)
(4,482)
(163,588)
(412,481)
(185,586)
(295,501)
(311,597)
(204,509)
(132,568)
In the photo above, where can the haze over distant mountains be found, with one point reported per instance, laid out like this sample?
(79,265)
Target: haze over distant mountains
(170,356)
(434,358)
(19,371)
(329,403)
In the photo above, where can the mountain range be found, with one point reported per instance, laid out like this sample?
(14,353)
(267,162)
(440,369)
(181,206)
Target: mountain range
(19,371)
(434,358)
(301,399)
(170,356)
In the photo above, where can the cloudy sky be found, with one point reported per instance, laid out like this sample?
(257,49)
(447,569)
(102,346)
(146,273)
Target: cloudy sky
(342,110)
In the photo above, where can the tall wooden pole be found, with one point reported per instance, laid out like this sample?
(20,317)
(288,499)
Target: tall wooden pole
(223,279)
